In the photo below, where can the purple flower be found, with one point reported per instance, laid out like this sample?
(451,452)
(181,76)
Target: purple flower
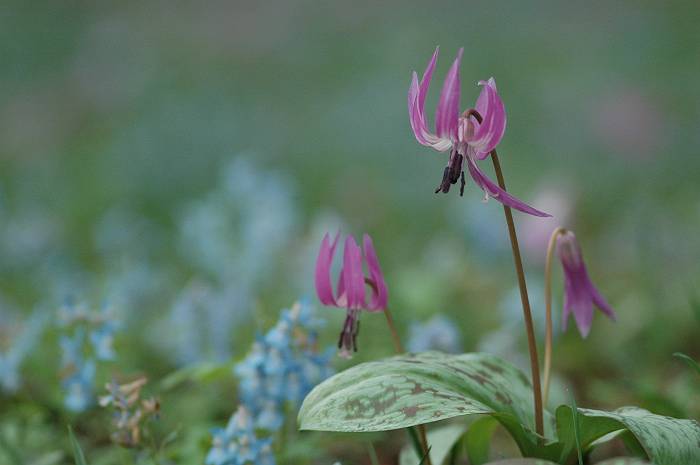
(351,290)
(469,137)
(579,292)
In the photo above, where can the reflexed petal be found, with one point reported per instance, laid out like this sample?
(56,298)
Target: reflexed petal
(427,76)
(490,132)
(353,278)
(447,113)
(417,93)
(324,261)
(600,302)
(380,295)
(493,190)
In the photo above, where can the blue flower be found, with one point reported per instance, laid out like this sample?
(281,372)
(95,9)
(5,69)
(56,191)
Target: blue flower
(438,333)
(237,444)
(79,387)
(87,338)
(282,367)
(19,348)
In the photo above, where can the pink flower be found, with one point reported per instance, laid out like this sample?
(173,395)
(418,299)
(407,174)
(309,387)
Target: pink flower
(469,136)
(579,292)
(352,285)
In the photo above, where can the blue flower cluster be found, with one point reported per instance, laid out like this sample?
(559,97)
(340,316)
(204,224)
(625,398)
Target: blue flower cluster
(237,444)
(18,347)
(87,338)
(282,367)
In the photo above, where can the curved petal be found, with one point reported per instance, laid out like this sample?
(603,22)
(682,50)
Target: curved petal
(493,190)
(353,278)
(417,93)
(600,302)
(324,289)
(490,132)
(447,113)
(380,294)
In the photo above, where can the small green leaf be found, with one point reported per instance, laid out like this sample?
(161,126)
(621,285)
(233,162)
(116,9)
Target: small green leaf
(201,372)
(440,439)
(665,440)
(691,363)
(77,450)
(415,389)
(374,460)
(478,440)
(577,430)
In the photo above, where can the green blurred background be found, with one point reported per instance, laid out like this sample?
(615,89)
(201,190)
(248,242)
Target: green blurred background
(118,122)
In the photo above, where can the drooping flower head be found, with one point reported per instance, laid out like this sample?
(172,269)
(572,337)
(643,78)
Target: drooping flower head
(469,136)
(579,292)
(351,292)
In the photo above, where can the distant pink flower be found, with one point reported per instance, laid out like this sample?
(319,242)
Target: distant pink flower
(352,285)
(470,136)
(579,292)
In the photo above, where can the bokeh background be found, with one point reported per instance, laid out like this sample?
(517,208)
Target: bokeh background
(181,162)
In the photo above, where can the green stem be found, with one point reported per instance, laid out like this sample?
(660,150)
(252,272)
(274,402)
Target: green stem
(529,326)
(548,312)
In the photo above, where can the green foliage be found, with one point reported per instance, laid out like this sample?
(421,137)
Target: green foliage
(409,390)
(478,440)
(691,363)
(624,461)
(416,389)
(441,441)
(666,440)
(77,450)
(522,462)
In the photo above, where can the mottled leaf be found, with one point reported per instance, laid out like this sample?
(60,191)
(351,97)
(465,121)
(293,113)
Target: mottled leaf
(416,389)
(665,440)
(440,439)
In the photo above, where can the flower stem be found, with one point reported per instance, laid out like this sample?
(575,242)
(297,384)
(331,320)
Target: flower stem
(529,326)
(394,333)
(399,350)
(548,307)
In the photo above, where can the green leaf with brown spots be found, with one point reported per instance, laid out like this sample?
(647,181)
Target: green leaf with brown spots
(665,440)
(415,389)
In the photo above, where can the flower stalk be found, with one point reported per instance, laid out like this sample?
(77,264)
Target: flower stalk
(548,312)
(527,313)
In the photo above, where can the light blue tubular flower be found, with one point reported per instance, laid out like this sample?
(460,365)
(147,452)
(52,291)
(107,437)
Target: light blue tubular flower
(79,387)
(438,333)
(237,444)
(282,367)
(102,336)
(87,338)
(18,348)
